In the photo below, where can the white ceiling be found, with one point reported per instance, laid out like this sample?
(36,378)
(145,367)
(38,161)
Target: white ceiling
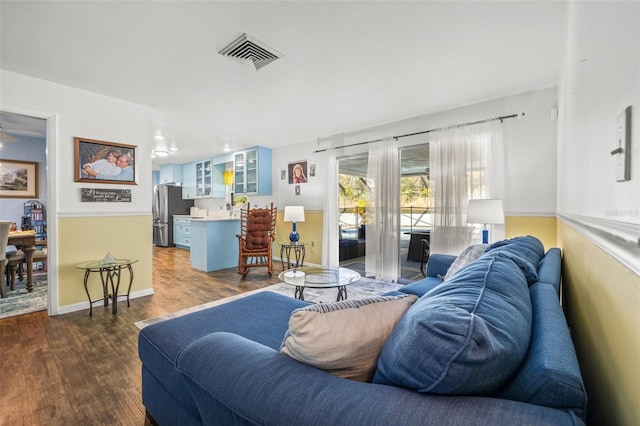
(346,65)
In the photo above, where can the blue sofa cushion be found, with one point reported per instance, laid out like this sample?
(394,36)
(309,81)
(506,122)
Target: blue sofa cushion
(526,252)
(550,374)
(262,317)
(550,268)
(422,287)
(466,336)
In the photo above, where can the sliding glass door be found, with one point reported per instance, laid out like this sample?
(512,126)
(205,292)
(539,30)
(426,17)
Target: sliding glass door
(416,218)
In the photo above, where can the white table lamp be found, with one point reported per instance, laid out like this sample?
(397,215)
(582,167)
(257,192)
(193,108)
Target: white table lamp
(294,214)
(485,212)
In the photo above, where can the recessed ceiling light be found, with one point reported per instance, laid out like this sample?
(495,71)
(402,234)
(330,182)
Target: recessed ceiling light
(173,148)
(158,135)
(161,152)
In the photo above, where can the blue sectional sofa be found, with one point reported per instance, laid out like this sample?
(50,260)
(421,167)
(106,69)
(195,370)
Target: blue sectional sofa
(223,365)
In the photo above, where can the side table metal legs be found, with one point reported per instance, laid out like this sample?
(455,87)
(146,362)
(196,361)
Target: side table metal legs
(298,251)
(109,277)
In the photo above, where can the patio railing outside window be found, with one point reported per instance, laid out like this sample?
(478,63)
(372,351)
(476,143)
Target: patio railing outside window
(413,218)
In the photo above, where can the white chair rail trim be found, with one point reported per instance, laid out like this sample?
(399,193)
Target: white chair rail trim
(620,239)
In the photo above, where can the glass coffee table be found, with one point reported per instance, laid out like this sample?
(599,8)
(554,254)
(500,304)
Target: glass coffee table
(312,277)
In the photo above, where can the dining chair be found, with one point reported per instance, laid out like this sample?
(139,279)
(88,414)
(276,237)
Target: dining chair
(5,225)
(15,260)
(255,241)
(424,256)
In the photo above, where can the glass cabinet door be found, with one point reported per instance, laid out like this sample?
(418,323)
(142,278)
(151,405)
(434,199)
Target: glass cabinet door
(252,171)
(203,179)
(199,177)
(239,172)
(206,179)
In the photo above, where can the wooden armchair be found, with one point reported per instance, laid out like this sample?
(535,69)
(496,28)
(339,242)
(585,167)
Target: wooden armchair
(255,241)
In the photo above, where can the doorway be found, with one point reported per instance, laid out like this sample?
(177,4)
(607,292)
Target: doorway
(416,213)
(23,138)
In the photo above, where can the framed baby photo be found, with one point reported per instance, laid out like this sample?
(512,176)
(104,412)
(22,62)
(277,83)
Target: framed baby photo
(104,162)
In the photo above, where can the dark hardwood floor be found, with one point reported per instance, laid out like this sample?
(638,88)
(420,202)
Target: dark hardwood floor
(74,369)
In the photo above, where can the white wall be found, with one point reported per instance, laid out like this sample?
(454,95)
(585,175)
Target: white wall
(89,115)
(530,144)
(76,113)
(601,76)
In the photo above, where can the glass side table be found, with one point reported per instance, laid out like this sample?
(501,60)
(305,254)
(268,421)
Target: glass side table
(298,252)
(109,275)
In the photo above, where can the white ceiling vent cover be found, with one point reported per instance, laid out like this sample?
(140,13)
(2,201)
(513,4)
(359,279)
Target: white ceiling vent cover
(247,49)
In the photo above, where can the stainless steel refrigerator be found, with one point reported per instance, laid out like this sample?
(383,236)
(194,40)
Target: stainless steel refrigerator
(167,201)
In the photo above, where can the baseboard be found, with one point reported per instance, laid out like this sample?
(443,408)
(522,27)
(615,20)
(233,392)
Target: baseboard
(67,309)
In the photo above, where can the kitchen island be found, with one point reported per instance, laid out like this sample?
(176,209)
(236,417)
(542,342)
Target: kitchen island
(214,244)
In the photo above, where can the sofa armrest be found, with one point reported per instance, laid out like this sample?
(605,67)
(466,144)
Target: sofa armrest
(439,264)
(237,381)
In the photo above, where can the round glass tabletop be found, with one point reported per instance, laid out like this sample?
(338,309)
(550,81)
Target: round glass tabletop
(314,277)
(99,264)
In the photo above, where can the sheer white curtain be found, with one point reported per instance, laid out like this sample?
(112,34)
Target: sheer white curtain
(466,163)
(330,227)
(383,211)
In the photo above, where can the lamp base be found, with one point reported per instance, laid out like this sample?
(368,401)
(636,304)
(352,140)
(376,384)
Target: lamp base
(485,236)
(294,237)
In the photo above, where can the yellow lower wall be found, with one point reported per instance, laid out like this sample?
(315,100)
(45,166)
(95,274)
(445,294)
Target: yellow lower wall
(310,233)
(541,227)
(87,238)
(602,303)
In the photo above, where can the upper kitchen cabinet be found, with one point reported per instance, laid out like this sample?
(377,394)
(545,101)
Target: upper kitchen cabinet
(189,181)
(171,173)
(197,179)
(252,171)
(203,179)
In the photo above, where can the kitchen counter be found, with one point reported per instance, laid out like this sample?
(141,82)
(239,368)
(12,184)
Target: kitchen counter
(214,244)
(214,219)
(209,218)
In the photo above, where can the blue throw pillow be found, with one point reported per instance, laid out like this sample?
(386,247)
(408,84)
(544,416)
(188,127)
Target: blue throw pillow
(465,337)
(526,252)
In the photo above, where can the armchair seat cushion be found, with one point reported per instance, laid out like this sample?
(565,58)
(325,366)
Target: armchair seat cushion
(258,230)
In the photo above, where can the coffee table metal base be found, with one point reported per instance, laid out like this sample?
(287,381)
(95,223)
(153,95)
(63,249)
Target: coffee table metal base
(342,292)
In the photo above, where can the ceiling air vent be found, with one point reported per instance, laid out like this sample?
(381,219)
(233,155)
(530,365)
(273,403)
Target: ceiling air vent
(247,49)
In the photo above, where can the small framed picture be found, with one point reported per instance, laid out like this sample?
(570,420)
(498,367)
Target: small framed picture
(18,179)
(283,174)
(298,172)
(297,189)
(104,162)
(312,170)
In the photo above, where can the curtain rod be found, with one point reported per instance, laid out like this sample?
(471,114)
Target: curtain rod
(437,129)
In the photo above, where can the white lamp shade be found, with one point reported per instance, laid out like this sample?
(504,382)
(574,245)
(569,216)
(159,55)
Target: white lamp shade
(294,214)
(485,212)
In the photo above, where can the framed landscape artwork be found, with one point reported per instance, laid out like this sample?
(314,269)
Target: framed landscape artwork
(104,162)
(18,179)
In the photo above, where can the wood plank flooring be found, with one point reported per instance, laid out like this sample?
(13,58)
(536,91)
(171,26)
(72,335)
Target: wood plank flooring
(74,369)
